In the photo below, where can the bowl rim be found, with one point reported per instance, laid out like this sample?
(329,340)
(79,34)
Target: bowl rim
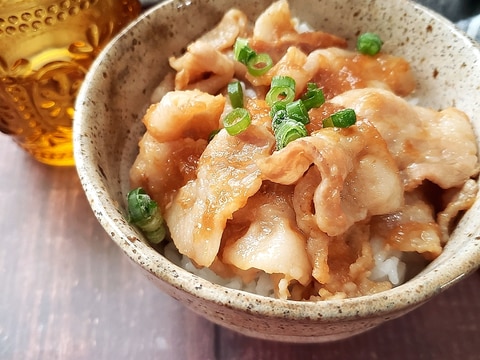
(407,295)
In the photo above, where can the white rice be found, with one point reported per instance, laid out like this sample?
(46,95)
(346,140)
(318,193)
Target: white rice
(388,263)
(262,286)
(388,267)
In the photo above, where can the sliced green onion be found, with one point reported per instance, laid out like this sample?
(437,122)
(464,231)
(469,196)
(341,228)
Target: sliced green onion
(278,118)
(342,119)
(283,82)
(259,64)
(288,131)
(235,94)
(276,107)
(297,111)
(282,89)
(144,213)
(278,113)
(237,121)
(242,51)
(284,95)
(289,117)
(313,97)
(369,44)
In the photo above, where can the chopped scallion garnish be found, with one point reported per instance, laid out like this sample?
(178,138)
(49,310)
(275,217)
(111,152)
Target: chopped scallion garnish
(276,108)
(341,119)
(282,89)
(297,111)
(289,116)
(242,51)
(288,131)
(235,94)
(237,121)
(283,82)
(144,213)
(259,64)
(313,97)
(277,118)
(369,43)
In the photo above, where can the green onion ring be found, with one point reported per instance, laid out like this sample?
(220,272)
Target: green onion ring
(144,213)
(313,97)
(280,94)
(282,89)
(237,121)
(278,118)
(276,108)
(259,64)
(242,51)
(283,81)
(341,119)
(288,131)
(369,44)
(297,111)
(235,94)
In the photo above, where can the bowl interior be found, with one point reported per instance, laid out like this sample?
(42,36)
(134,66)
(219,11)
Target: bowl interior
(117,92)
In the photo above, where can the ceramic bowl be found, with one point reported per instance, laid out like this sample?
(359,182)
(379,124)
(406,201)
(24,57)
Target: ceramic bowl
(108,126)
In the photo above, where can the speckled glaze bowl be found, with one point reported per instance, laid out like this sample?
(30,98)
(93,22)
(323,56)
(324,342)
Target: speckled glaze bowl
(107,128)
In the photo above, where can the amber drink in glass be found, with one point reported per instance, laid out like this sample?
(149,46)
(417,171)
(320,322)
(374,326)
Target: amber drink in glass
(46,48)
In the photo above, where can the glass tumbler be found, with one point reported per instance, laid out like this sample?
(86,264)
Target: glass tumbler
(46,48)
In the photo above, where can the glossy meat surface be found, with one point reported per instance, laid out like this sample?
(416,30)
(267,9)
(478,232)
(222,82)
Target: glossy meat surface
(341,212)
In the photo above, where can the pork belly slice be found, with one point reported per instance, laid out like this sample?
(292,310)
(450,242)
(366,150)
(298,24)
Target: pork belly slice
(227,175)
(426,144)
(358,177)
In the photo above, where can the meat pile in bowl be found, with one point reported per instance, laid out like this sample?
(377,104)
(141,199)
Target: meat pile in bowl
(342,211)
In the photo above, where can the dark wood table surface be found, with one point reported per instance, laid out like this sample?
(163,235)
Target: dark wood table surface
(68,292)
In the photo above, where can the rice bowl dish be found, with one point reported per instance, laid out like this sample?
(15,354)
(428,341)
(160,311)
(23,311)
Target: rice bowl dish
(126,78)
(309,209)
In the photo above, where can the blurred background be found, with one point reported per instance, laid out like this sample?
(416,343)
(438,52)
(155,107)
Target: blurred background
(454,10)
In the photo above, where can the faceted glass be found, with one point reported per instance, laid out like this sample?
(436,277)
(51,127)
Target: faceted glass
(46,48)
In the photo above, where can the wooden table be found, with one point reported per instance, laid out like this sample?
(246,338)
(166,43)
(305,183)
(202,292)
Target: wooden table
(67,292)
